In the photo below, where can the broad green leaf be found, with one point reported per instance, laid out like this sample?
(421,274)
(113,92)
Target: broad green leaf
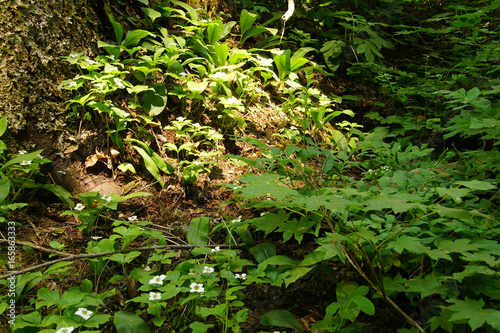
(4,187)
(150,164)
(198,327)
(246,21)
(408,243)
(151,13)
(281,318)
(472,311)
(477,185)
(126,322)
(198,231)
(455,193)
(191,11)
(263,251)
(117,27)
(155,99)
(133,37)
(364,304)
(3,126)
(197,88)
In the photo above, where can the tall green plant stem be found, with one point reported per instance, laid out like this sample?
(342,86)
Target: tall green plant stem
(375,288)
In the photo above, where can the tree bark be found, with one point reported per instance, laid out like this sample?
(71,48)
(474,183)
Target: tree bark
(34,35)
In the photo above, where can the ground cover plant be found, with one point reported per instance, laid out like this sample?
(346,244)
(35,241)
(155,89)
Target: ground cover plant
(369,201)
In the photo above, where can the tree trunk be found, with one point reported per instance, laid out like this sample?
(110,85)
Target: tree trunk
(34,35)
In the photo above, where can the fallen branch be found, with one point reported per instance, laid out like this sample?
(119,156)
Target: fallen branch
(36,247)
(103,254)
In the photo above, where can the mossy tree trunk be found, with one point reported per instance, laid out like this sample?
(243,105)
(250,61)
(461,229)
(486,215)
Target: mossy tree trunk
(34,35)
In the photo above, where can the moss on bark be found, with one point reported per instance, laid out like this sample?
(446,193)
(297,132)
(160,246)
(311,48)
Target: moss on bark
(34,35)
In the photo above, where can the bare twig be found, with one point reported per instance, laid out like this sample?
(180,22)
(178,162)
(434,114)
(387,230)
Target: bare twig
(103,254)
(33,246)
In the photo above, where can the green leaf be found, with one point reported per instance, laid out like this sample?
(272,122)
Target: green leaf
(155,99)
(246,21)
(364,304)
(4,187)
(117,27)
(149,163)
(477,185)
(263,251)
(133,37)
(198,231)
(151,13)
(472,311)
(126,322)
(197,88)
(3,126)
(191,11)
(455,193)
(281,318)
(198,327)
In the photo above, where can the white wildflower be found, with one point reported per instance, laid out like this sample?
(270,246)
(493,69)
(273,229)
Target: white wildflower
(119,82)
(79,206)
(196,288)
(216,249)
(158,279)
(132,218)
(25,163)
(96,237)
(180,118)
(240,276)
(92,62)
(154,296)
(84,313)
(65,330)
(22,152)
(219,75)
(208,270)
(233,100)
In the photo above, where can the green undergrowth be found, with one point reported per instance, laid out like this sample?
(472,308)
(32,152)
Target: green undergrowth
(409,207)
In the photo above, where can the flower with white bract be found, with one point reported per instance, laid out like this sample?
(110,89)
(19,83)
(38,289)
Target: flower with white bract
(196,288)
(154,296)
(65,330)
(96,237)
(293,128)
(22,152)
(84,313)
(79,206)
(39,156)
(180,118)
(240,276)
(25,163)
(196,125)
(158,279)
(92,62)
(238,220)
(208,270)
(216,249)
(233,100)
(265,61)
(106,198)
(132,218)
(219,75)
(119,82)
(72,84)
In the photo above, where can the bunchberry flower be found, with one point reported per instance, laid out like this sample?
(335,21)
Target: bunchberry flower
(22,152)
(65,330)
(84,313)
(240,276)
(196,288)
(154,296)
(263,213)
(106,198)
(92,62)
(79,206)
(208,270)
(157,279)
(180,118)
(132,218)
(216,249)
(119,82)
(233,100)
(25,163)
(96,237)
(219,75)
(293,127)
